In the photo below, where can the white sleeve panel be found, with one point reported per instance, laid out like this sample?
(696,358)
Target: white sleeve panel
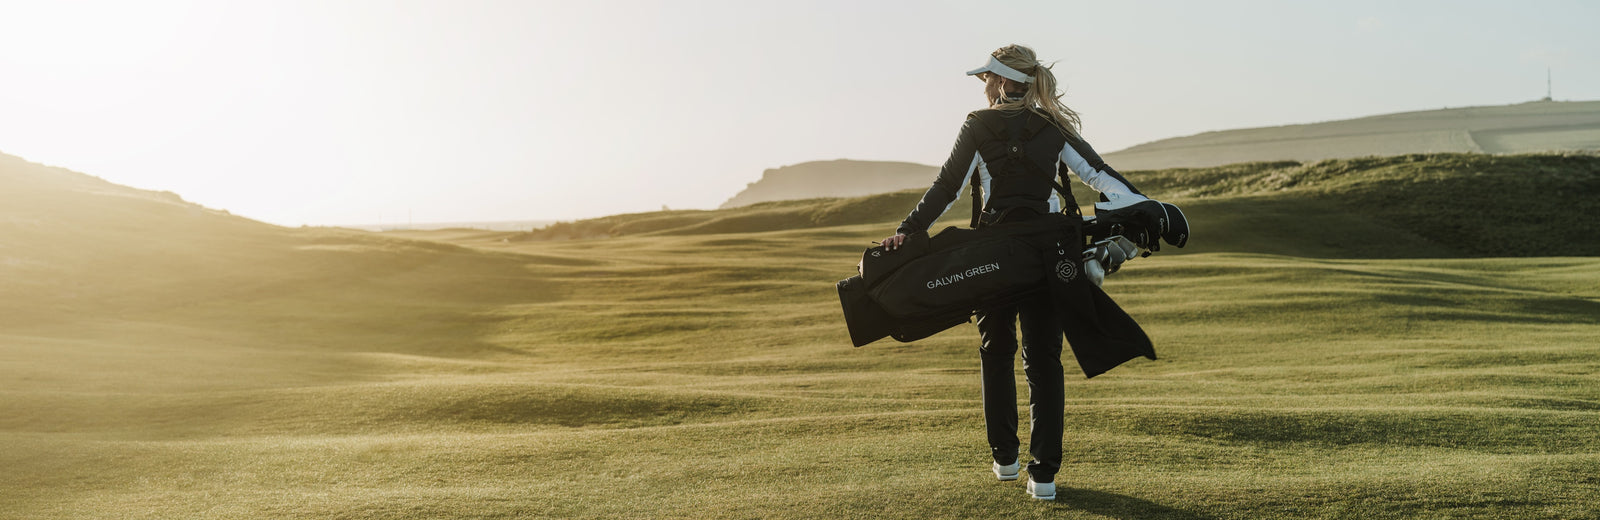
(1096,179)
(977,166)
(982,169)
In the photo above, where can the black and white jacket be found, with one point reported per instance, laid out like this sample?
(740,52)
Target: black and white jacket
(984,148)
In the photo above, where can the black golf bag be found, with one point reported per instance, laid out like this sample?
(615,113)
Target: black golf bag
(933,283)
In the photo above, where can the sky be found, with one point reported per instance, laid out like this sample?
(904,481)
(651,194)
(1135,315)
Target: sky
(377,112)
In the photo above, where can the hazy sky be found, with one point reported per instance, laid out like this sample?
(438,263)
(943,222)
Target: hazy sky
(346,112)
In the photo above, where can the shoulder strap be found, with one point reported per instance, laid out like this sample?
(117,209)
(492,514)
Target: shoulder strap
(1016,136)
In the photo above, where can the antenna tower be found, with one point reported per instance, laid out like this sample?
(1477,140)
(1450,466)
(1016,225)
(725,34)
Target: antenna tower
(1547,84)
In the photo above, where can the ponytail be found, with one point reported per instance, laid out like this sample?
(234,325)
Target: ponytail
(1042,95)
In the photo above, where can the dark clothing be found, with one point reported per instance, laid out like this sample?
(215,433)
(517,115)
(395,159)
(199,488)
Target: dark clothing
(981,149)
(1017,157)
(1041,361)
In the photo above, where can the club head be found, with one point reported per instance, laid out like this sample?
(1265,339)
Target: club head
(1174,226)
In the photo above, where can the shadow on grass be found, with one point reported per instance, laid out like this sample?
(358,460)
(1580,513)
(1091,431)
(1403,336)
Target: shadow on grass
(1119,506)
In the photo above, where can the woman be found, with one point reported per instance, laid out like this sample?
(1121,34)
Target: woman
(1016,147)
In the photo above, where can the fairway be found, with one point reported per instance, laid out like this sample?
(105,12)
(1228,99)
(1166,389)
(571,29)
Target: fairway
(227,369)
(710,377)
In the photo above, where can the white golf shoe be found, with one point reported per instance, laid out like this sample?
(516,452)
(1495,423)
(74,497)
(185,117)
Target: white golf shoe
(1007,472)
(1042,490)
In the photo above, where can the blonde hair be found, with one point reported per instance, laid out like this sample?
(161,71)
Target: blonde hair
(1041,95)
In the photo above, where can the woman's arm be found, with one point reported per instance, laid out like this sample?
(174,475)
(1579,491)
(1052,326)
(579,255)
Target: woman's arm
(947,187)
(1093,171)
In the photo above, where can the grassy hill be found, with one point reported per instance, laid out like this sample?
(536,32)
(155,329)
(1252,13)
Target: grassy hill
(109,295)
(1545,126)
(1509,129)
(838,178)
(163,360)
(1439,205)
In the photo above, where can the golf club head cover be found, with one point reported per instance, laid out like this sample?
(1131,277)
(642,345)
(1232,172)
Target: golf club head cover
(1174,225)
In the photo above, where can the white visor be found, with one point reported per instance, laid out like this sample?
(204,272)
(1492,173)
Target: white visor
(1000,68)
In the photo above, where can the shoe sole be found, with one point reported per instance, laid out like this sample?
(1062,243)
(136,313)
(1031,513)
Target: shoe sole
(1005,478)
(1051,496)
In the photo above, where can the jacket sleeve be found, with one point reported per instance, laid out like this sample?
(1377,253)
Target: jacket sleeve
(947,187)
(1092,170)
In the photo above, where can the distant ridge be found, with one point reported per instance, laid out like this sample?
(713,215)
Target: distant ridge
(1538,126)
(483,225)
(839,178)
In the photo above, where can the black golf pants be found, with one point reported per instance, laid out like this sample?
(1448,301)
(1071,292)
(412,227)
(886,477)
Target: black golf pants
(1041,361)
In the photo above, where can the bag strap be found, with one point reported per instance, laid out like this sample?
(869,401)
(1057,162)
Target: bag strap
(1016,151)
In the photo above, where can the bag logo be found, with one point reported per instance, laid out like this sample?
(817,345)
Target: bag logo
(957,277)
(1066,270)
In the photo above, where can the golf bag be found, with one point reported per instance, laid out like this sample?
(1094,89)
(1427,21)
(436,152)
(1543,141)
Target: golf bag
(934,283)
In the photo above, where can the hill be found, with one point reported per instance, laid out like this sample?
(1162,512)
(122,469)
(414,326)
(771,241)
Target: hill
(105,287)
(840,178)
(1510,129)
(1545,126)
(1438,205)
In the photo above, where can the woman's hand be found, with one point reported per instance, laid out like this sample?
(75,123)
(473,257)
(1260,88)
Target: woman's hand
(893,243)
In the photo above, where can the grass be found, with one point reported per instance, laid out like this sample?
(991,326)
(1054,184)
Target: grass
(720,384)
(268,373)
